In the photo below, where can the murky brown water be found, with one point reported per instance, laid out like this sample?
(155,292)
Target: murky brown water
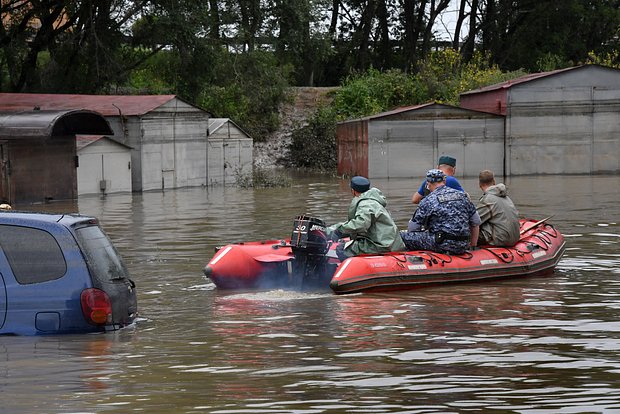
(529,345)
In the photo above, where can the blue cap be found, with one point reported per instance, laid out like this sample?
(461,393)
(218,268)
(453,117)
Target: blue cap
(360,184)
(447,160)
(435,176)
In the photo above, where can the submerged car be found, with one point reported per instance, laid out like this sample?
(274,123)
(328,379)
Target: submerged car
(60,273)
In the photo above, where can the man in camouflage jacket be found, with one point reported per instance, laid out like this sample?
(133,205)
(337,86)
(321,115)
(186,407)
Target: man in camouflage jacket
(446,220)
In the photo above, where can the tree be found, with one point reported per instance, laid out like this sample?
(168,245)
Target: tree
(65,45)
(523,33)
(176,25)
(418,19)
(28,28)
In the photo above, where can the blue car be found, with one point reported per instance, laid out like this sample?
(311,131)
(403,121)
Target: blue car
(61,274)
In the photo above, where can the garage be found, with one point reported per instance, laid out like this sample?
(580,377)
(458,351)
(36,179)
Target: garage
(406,142)
(104,165)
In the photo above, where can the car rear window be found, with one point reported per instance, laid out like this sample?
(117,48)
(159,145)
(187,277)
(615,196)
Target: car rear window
(103,259)
(34,254)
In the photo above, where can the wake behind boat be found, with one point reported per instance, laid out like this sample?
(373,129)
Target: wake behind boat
(308,261)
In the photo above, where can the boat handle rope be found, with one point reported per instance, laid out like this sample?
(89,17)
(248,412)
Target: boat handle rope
(544,239)
(543,236)
(432,258)
(438,259)
(508,254)
(549,235)
(533,247)
(553,234)
(550,226)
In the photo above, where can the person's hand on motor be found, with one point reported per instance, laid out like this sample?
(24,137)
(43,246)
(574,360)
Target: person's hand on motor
(335,236)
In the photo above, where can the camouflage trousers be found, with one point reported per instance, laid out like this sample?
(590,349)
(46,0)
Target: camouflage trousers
(423,240)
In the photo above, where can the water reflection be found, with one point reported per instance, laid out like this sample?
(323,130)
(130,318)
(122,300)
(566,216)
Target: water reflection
(529,345)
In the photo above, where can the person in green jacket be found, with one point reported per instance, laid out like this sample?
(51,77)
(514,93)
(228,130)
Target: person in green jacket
(369,226)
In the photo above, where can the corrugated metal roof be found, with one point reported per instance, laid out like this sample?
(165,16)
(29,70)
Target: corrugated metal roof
(407,109)
(401,110)
(388,113)
(42,123)
(107,105)
(512,82)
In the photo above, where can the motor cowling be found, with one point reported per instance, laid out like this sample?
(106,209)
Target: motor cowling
(309,244)
(309,236)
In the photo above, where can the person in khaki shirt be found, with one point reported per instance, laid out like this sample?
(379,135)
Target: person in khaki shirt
(499,216)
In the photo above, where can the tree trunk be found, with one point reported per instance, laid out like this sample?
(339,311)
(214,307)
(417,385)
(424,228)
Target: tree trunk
(363,35)
(456,40)
(467,51)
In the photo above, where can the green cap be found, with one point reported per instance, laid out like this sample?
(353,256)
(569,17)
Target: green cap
(448,160)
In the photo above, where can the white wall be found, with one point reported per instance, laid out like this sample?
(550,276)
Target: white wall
(104,160)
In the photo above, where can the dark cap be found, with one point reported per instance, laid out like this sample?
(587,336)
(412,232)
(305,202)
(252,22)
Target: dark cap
(360,184)
(435,176)
(448,160)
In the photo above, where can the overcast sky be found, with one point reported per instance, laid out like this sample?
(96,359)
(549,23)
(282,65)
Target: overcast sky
(445,23)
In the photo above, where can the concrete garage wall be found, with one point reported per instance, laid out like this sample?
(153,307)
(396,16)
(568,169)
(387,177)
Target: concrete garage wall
(230,152)
(476,143)
(126,130)
(606,132)
(563,121)
(407,142)
(554,130)
(174,152)
(169,146)
(409,149)
(400,148)
(229,158)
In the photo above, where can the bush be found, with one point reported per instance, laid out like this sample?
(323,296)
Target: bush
(373,92)
(263,178)
(313,146)
(445,75)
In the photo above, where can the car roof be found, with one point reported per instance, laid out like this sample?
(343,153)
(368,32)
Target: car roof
(29,217)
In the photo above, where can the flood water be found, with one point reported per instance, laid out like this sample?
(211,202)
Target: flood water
(529,345)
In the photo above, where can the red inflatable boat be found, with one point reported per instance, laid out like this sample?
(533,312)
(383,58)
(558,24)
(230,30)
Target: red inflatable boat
(308,260)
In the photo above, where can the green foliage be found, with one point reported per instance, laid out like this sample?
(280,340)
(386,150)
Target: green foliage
(157,75)
(263,178)
(100,47)
(313,146)
(246,87)
(441,77)
(446,75)
(611,59)
(550,61)
(250,88)
(368,93)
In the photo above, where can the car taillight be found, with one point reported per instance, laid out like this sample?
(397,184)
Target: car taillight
(96,306)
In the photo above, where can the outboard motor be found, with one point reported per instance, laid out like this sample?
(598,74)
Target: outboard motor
(309,245)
